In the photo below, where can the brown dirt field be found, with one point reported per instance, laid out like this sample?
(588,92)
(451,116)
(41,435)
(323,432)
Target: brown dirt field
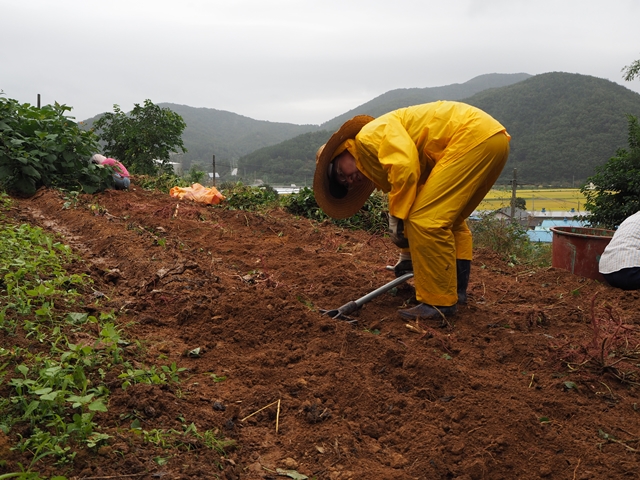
(521,384)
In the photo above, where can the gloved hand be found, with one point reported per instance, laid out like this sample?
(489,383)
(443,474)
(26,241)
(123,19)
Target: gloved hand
(396,232)
(404,265)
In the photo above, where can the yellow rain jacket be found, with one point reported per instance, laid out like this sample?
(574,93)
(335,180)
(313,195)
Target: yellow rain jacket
(437,162)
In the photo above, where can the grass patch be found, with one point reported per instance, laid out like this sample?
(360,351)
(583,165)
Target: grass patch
(510,241)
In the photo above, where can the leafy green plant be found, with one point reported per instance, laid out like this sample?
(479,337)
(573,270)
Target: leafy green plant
(173,371)
(613,193)
(163,182)
(372,217)
(111,339)
(151,375)
(44,147)
(52,398)
(33,275)
(218,378)
(71,200)
(304,204)
(194,175)
(43,396)
(141,137)
(244,197)
(172,438)
(509,240)
(213,440)
(132,376)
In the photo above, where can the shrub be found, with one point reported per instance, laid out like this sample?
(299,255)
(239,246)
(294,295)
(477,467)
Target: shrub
(613,193)
(372,217)
(244,197)
(304,204)
(195,175)
(509,240)
(141,137)
(163,182)
(43,147)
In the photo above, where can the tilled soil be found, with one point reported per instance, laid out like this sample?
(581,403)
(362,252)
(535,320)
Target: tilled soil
(524,383)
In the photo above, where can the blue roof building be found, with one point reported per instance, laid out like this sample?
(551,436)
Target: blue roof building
(542,232)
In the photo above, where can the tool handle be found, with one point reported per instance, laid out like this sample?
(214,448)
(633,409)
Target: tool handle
(394,283)
(352,306)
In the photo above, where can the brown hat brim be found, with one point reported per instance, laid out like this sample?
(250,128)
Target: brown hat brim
(357,195)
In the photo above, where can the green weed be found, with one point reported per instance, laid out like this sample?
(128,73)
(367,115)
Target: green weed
(509,240)
(33,275)
(372,217)
(151,375)
(244,197)
(52,398)
(217,378)
(188,439)
(162,183)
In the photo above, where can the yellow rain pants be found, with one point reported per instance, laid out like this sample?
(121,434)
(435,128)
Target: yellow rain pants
(437,162)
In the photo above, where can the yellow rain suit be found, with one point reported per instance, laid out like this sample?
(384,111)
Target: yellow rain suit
(437,162)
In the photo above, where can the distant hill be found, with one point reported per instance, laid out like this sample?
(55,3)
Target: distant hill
(228,135)
(265,163)
(405,97)
(292,161)
(562,126)
(224,134)
(231,136)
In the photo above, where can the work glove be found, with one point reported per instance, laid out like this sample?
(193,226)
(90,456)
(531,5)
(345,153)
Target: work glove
(404,265)
(396,232)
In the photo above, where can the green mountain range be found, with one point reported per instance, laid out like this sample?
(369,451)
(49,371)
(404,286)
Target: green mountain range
(233,138)
(405,97)
(562,126)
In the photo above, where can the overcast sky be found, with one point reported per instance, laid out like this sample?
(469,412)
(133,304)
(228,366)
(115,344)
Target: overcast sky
(296,61)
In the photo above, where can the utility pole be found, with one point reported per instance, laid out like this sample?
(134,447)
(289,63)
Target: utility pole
(38,101)
(513,196)
(214,170)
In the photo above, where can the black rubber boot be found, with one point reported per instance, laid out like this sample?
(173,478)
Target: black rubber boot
(463,269)
(428,311)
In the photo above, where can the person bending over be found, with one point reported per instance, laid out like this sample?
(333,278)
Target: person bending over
(120,174)
(436,162)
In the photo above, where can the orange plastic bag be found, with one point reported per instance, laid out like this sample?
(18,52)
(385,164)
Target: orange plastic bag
(197,193)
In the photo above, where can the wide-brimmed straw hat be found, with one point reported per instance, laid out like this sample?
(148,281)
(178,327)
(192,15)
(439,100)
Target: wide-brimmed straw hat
(335,199)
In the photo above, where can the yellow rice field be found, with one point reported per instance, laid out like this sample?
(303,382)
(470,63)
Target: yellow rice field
(550,199)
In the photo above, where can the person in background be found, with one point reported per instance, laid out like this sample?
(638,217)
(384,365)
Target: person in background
(120,173)
(436,161)
(620,261)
